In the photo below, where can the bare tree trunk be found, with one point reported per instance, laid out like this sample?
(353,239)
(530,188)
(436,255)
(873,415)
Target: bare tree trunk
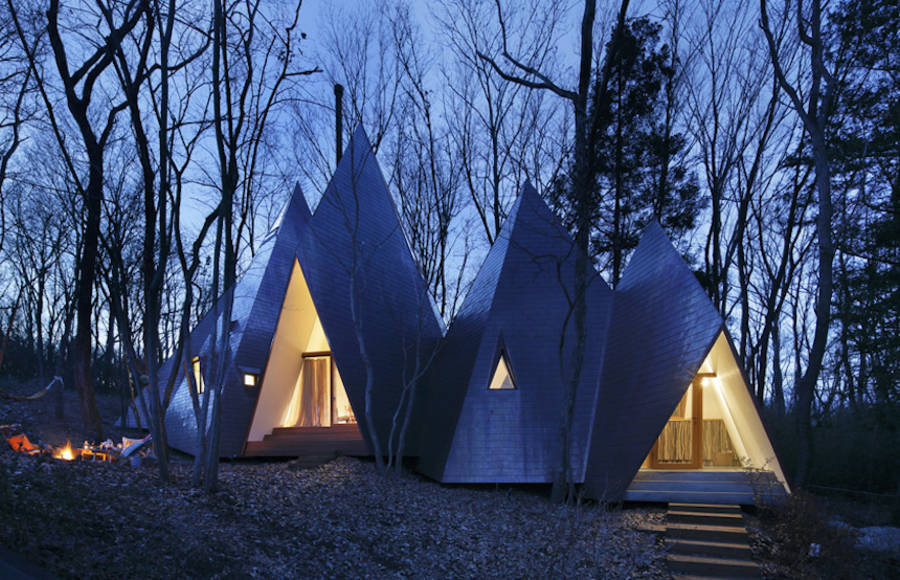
(814,115)
(155,209)
(777,375)
(61,357)
(581,189)
(4,342)
(87,265)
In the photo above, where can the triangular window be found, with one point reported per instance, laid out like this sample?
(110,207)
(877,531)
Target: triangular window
(503,378)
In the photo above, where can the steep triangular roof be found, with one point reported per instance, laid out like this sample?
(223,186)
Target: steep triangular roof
(354,238)
(663,326)
(356,241)
(518,303)
(254,315)
(451,370)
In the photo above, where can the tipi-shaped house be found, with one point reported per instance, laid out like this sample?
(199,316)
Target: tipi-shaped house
(500,382)
(333,308)
(332,305)
(674,413)
(662,411)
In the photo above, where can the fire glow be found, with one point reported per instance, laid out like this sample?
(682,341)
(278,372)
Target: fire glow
(105,451)
(66,453)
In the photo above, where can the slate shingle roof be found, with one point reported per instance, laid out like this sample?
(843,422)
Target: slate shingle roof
(663,325)
(520,300)
(645,341)
(356,239)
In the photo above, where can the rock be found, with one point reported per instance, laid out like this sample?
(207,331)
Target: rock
(879,539)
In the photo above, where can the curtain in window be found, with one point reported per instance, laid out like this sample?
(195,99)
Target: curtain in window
(717,448)
(675,442)
(315,393)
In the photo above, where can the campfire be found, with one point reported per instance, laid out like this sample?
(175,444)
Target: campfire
(105,451)
(65,453)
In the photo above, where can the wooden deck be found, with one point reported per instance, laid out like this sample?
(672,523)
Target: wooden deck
(707,486)
(309,441)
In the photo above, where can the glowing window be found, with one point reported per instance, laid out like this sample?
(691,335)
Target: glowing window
(250,379)
(503,378)
(198,375)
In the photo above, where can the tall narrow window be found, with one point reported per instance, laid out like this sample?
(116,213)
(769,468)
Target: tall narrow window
(503,378)
(315,391)
(198,375)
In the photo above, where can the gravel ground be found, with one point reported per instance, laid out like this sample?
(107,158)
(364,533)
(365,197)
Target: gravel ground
(342,519)
(273,520)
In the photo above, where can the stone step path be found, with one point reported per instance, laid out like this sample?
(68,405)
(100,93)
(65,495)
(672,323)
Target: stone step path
(708,541)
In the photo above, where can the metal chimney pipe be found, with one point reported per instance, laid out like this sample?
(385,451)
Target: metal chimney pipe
(338,120)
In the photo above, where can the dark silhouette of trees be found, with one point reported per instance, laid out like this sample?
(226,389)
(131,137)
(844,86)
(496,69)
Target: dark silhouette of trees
(863,141)
(814,106)
(636,147)
(78,78)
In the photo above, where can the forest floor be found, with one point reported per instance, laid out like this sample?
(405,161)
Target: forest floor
(272,519)
(343,519)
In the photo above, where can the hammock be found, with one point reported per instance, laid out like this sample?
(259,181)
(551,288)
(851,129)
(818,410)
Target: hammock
(32,397)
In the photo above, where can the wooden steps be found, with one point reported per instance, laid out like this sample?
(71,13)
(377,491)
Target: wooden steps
(708,541)
(310,461)
(715,548)
(704,487)
(318,442)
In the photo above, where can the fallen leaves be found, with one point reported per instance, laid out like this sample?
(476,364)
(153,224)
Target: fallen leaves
(274,520)
(341,519)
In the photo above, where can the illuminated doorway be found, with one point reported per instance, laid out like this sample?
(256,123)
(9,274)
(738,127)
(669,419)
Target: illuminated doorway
(696,435)
(320,399)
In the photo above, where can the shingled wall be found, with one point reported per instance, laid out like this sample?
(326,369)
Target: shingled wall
(356,238)
(395,310)
(663,325)
(512,435)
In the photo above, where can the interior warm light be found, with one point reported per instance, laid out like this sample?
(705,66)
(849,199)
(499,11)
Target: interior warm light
(198,375)
(250,379)
(502,379)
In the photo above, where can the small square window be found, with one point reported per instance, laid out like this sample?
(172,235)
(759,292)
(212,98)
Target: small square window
(251,379)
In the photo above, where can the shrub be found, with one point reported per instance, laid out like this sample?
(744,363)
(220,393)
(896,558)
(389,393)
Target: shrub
(805,544)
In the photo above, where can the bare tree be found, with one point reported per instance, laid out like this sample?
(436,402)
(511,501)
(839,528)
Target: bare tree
(419,353)
(37,242)
(581,186)
(145,73)
(424,174)
(15,110)
(734,119)
(812,99)
(358,52)
(779,240)
(253,61)
(501,131)
(77,83)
